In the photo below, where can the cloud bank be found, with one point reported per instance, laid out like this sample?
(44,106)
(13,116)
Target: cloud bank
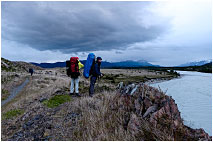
(78,26)
(161,32)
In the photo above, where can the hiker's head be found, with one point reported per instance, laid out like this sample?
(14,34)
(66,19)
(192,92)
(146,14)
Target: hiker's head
(99,59)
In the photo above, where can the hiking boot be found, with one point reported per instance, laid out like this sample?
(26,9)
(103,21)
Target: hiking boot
(77,94)
(91,95)
(71,94)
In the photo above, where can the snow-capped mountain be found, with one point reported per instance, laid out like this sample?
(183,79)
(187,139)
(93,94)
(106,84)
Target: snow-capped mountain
(196,63)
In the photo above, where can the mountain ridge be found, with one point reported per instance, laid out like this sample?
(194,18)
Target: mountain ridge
(104,64)
(195,63)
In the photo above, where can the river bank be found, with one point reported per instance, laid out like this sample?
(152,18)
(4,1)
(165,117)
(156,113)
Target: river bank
(45,108)
(192,93)
(109,115)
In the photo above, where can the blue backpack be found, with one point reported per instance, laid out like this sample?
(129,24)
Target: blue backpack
(88,65)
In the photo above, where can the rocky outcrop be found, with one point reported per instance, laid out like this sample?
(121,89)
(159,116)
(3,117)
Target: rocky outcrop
(149,106)
(15,66)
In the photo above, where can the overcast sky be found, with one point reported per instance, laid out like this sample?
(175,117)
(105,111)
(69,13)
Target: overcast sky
(161,32)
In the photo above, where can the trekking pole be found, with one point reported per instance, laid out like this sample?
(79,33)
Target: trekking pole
(99,78)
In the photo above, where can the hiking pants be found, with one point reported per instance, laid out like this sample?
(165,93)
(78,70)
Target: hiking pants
(76,82)
(92,84)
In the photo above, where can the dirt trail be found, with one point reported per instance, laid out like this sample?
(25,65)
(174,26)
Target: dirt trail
(15,92)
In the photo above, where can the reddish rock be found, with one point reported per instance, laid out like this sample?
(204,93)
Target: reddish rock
(159,111)
(147,103)
(134,124)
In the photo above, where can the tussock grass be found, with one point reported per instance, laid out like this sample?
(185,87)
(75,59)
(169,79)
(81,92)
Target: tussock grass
(99,121)
(56,100)
(105,118)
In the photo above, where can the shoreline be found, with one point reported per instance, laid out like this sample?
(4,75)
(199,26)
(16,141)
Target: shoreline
(159,80)
(157,85)
(194,71)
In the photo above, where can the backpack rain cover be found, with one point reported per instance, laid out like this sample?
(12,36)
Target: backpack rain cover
(88,65)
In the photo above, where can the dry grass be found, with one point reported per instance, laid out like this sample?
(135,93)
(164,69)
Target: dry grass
(99,121)
(100,117)
(114,76)
(38,87)
(135,72)
(103,119)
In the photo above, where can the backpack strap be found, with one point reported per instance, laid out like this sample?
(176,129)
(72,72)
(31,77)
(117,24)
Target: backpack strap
(92,67)
(76,66)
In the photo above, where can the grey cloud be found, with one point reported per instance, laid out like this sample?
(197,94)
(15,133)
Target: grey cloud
(78,26)
(118,52)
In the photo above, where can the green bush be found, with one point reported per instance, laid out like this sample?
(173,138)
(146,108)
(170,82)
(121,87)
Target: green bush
(12,113)
(4,94)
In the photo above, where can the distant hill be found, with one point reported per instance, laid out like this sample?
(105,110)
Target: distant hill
(207,65)
(50,65)
(104,64)
(130,63)
(17,66)
(207,68)
(196,63)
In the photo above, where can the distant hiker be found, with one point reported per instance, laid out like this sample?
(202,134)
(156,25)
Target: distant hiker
(95,73)
(73,70)
(31,71)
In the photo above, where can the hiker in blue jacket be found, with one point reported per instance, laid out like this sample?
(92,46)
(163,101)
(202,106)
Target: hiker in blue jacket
(95,72)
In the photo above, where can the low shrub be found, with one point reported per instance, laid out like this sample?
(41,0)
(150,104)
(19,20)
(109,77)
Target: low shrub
(57,100)
(12,113)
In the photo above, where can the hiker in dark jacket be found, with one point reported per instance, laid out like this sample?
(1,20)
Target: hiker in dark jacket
(31,71)
(95,72)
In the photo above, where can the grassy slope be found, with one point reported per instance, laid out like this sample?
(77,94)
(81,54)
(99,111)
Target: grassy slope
(12,75)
